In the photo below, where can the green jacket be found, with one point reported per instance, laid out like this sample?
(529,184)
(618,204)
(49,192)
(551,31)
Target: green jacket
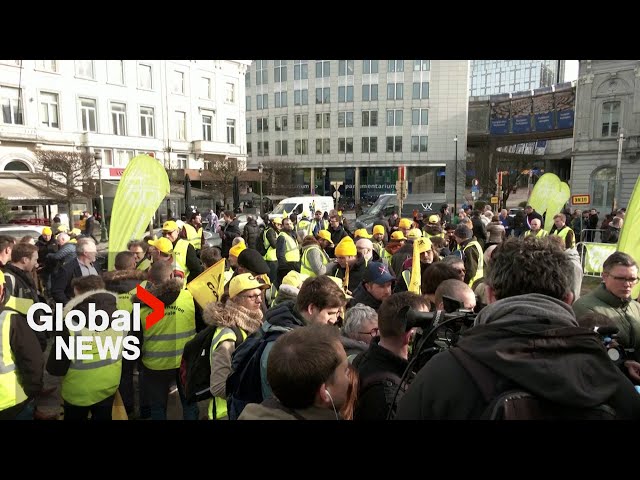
(625,314)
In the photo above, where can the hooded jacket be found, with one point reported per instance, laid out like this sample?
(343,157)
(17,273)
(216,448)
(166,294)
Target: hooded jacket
(227,315)
(353,347)
(362,295)
(271,409)
(286,293)
(123,281)
(531,342)
(576,272)
(104,300)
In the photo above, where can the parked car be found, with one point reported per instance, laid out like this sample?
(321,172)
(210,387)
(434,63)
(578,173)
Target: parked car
(242,218)
(512,211)
(19,231)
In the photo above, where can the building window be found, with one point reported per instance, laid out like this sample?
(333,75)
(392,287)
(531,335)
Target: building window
(231,131)
(247,81)
(282,147)
(47,65)
(248,102)
(345,67)
(182,161)
(281,99)
(281,123)
(261,73)
(370,66)
(181,125)
(302,146)
(107,156)
(395,91)
(322,120)
(279,72)
(177,85)
(11,108)
(323,69)
(263,149)
(369,144)
(15,63)
(248,126)
(144,77)
(301,122)
(394,118)
(394,144)
(205,87)
(262,101)
(122,157)
(119,118)
(323,145)
(262,124)
(230,93)
(49,109)
(301,97)
(249,149)
(395,66)
(345,119)
(420,90)
(369,118)
(84,69)
(323,95)
(345,145)
(88,114)
(345,94)
(419,143)
(370,92)
(207,127)
(419,116)
(423,65)
(610,119)
(115,72)
(603,186)
(300,70)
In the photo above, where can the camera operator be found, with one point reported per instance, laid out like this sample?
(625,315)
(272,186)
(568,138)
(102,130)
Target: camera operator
(455,290)
(529,338)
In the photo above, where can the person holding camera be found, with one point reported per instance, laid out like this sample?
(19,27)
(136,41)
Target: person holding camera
(528,339)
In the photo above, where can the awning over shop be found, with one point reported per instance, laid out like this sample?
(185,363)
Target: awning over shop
(32,189)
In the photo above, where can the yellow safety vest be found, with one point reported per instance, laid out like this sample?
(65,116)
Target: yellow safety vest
(165,341)
(124,299)
(270,256)
(144,265)
(17,303)
(222,334)
(324,225)
(88,382)
(292,250)
(479,271)
(194,237)
(11,392)
(180,255)
(428,235)
(304,264)
(541,233)
(563,235)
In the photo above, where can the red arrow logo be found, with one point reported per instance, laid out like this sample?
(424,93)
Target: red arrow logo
(157,307)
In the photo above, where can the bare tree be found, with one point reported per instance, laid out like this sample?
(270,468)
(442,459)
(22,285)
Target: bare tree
(70,170)
(280,178)
(222,173)
(5,211)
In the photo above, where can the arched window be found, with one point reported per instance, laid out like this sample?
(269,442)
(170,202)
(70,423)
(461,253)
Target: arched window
(16,166)
(603,186)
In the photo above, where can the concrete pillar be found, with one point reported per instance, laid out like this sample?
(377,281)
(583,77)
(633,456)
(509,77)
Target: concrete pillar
(357,186)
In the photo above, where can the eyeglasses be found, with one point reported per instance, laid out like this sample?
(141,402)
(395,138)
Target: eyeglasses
(252,297)
(373,332)
(632,281)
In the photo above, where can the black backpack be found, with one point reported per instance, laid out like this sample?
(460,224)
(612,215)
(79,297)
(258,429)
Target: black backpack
(261,239)
(518,404)
(244,384)
(195,365)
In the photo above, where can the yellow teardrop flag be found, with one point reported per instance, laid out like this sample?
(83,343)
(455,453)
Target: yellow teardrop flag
(416,273)
(209,285)
(284,215)
(549,195)
(630,233)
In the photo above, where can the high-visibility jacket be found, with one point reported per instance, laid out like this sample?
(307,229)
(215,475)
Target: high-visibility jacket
(563,235)
(322,224)
(124,298)
(88,382)
(303,227)
(165,341)
(305,268)
(270,256)
(541,233)
(292,250)
(144,265)
(221,334)
(180,255)
(15,300)
(480,270)
(194,237)
(11,392)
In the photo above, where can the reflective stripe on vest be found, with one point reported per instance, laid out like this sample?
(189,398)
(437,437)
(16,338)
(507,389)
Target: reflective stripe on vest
(292,250)
(11,392)
(165,341)
(270,256)
(541,233)
(563,235)
(194,236)
(305,268)
(479,271)
(180,255)
(429,235)
(88,382)
(222,334)
(144,265)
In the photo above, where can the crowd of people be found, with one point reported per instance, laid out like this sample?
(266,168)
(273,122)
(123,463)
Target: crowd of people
(313,319)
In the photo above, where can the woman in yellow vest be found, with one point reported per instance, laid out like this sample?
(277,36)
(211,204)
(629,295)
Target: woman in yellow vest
(241,315)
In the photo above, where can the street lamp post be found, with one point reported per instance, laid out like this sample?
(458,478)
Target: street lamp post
(455,184)
(261,169)
(618,189)
(104,237)
(324,182)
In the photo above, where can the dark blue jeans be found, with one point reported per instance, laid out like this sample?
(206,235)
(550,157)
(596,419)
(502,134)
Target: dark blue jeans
(99,411)
(156,385)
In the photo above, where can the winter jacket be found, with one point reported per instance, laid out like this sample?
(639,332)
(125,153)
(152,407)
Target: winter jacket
(230,231)
(272,409)
(353,347)
(61,289)
(123,281)
(625,314)
(65,253)
(531,342)
(399,258)
(286,293)
(576,272)
(356,273)
(252,234)
(362,295)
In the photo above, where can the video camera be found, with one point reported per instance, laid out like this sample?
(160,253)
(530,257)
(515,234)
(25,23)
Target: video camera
(615,351)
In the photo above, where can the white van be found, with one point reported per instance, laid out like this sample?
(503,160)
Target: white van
(302,204)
